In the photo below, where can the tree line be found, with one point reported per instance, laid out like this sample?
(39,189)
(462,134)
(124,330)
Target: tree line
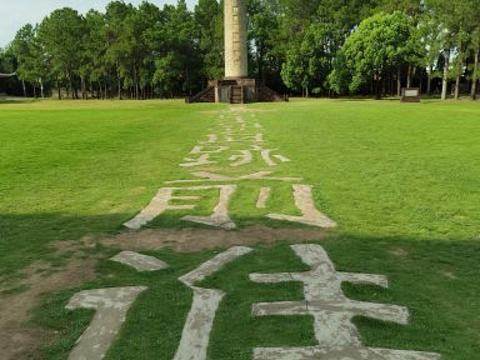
(313,48)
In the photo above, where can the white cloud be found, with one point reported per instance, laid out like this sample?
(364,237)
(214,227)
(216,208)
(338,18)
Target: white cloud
(16,13)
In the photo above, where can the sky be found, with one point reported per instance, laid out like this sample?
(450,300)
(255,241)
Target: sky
(16,13)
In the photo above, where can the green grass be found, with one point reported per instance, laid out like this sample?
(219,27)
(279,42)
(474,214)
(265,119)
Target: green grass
(70,169)
(385,168)
(437,281)
(401,180)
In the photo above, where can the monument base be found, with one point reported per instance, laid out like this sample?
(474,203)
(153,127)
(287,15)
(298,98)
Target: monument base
(236,91)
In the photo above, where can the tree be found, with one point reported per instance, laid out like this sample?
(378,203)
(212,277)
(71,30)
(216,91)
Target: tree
(93,67)
(308,65)
(60,34)
(118,53)
(32,62)
(458,18)
(208,16)
(380,44)
(180,35)
(475,73)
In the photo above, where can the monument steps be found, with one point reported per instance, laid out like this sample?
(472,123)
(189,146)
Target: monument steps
(236,95)
(205,96)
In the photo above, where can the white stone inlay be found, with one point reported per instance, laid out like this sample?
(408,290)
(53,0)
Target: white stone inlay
(310,215)
(282,158)
(215,150)
(200,161)
(212,177)
(161,203)
(111,307)
(246,157)
(139,262)
(219,218)
(332,311)
(212,138)
(263,197)
(197,329)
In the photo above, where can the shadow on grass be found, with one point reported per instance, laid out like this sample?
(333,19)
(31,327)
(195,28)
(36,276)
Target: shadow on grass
(436,280)
(25,238)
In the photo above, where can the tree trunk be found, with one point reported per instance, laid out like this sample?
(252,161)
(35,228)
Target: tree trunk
(429,81)
(475,76)
(59,91)
(399,82)
(457,88)
(24,89)
(41,89)
(445,74)
(420,87)
(70,87)
(34,91)
(135,79)
(83,88)
(377,82)
(119,89)
(459,72)
(409,76)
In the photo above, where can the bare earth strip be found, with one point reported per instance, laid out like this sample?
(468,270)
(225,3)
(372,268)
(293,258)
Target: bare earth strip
(19,340)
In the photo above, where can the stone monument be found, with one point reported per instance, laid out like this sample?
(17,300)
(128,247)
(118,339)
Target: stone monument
(236,87)
(236,52)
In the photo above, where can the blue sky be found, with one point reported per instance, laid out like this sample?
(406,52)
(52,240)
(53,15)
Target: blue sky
(16,13)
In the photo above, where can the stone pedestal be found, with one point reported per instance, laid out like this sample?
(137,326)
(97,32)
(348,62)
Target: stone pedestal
(242,91)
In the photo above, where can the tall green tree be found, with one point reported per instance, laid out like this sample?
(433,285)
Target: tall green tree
(93,67)
(208,16)
(475,45)
(378,46)
(60,34)
(31,59)
(118,54)
(309,65)
(180,57)
(458,20)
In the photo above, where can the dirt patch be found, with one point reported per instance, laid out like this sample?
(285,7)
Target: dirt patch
(19,340)
(188,240)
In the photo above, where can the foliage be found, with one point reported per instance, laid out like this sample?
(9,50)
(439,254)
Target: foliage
(127,51)
(381,43)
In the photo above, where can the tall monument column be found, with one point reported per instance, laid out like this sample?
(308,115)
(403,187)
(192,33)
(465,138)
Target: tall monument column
(236,54)
(236,87)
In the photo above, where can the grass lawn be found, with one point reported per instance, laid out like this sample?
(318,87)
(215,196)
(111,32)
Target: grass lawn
(71,169)
(401,181)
